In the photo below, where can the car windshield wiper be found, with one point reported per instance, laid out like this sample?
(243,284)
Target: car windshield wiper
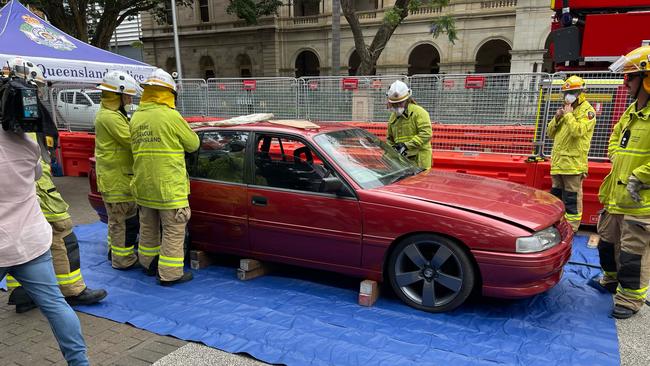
(404,174)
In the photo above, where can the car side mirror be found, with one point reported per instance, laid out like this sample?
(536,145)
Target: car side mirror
(331,185)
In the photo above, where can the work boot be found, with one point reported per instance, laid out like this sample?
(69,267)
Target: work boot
(87,297)
(186,277)
(153,267)
(21,299)
(133,266)
(621,312)
(604,287)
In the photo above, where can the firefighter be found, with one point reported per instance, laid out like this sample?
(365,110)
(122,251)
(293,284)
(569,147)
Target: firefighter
(64,247)
(409,126)
(160,137)
(115,167)
(571,130)
(624,225)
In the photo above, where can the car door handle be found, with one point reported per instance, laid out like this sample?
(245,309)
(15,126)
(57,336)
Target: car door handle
(259,201)
(75,108)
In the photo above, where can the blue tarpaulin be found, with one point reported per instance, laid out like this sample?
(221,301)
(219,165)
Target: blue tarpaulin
(312,318)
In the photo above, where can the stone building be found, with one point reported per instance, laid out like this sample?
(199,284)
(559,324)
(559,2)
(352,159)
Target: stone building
(493,36)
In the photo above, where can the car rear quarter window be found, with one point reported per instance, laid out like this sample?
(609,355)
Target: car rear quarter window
(221,156)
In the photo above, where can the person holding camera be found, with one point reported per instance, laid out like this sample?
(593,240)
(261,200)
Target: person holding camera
(571,130)
(25,234)
(409,126)
(64,248)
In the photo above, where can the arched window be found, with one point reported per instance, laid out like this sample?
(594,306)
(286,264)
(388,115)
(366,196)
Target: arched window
(424,59)
(307,64)
(493,56)
(244,65)
(206,64)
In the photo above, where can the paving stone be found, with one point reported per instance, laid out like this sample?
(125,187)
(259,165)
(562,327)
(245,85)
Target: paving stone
(147,355)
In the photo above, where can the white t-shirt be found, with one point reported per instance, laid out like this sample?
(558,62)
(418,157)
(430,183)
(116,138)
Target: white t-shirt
(24,232)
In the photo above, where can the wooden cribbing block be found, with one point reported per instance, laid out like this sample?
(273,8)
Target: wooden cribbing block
(249,264)
(368,293)
(594,239)
(250,268)
(199,259)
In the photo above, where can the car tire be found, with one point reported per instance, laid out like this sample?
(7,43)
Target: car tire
(431,273)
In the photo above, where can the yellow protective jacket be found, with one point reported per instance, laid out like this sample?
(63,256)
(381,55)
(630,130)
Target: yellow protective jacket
(113,155)
(572,139)
(159,139)
(634,158)
(53,206)
(413,128)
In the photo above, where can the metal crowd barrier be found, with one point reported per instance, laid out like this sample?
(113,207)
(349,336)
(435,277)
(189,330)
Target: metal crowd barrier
(494,113)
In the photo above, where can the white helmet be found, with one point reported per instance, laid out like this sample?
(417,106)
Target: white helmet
(160,78)
(120,82)
(24,68)
(398,92)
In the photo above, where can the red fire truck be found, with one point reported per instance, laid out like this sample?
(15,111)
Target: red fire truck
(590,34)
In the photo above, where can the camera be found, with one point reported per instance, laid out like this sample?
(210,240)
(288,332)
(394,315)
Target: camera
(19,105)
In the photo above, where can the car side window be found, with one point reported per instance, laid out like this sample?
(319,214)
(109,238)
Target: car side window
(221,156)
(66,97)
(81,99)
(288,163)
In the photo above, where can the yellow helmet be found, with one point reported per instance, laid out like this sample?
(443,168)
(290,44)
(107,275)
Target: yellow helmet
(635,61)
(573,83)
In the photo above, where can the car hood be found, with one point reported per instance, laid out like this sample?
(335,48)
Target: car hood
(515,203)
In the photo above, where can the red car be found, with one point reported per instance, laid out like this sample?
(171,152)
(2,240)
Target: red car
(338,198)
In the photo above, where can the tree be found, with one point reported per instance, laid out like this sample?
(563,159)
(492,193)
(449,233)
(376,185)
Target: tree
(250,10)
(393,17)
(95,21)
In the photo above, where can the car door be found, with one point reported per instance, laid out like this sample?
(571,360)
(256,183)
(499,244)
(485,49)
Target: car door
(65,105)
(218,194)
(290,218)
(84,111)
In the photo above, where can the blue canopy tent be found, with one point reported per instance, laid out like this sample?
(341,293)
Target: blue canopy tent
(60,57)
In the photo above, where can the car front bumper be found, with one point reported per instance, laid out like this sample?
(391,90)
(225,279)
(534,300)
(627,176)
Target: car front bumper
(516,275)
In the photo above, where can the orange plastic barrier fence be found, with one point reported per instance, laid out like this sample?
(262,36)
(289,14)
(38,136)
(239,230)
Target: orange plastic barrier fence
(76,149)
(597,173)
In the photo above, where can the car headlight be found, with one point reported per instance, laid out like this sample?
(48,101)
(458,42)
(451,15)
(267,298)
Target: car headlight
(541,240)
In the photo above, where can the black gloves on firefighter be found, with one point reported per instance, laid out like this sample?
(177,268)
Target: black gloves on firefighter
(634,186)
(401,148)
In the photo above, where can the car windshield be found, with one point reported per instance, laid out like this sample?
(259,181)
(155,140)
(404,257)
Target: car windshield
(368,160)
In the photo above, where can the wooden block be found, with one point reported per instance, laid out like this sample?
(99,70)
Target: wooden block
(368,293)
(594,239)
(249,275)
(199,259)
(249,264)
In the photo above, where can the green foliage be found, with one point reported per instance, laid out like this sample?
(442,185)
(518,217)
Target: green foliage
(445,24)
(251,10)
(393,16)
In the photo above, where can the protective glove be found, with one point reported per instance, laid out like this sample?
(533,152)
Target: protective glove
(634,185)
(401,148)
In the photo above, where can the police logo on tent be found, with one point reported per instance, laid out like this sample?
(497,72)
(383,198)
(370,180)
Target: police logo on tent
(39,33)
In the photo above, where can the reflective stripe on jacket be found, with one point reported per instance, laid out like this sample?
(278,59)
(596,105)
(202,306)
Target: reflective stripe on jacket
(159,139)
(572,139)
(632,158)
(113,155)
(413,128)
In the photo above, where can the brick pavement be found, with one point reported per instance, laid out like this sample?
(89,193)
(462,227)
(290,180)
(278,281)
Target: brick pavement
(26,339)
